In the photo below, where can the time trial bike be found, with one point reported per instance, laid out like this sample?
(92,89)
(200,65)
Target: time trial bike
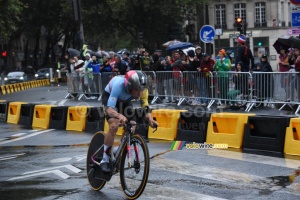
(131,160)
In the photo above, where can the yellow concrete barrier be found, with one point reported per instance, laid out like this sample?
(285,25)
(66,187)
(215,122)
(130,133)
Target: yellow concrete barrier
(22,86)
(168,123)
(41,116)
(3,89)
(7,88)
(11,87)
(227,128)
(76,118)
(292,138)
(14,109)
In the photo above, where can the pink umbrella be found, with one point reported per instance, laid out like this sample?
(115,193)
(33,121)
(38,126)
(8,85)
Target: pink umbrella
(170,43)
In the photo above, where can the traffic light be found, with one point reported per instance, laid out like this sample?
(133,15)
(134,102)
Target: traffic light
(259,44)
(4,54)
(239,24)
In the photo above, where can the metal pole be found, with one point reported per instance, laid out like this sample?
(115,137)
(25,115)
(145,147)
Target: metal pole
(219,42)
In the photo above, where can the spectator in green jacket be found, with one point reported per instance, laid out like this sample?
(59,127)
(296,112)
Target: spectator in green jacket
(222,67)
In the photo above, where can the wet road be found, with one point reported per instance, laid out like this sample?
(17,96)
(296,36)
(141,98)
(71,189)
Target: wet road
(50,164)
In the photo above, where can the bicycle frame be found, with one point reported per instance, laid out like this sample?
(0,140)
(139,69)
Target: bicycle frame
(124,141)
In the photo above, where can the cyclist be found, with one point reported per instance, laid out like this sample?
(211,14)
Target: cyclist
(117,105)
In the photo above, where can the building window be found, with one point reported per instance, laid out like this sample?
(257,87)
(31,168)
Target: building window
(220,15)
(240,11)
(260,14)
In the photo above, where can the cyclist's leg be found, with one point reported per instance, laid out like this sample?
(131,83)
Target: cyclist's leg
(113,125)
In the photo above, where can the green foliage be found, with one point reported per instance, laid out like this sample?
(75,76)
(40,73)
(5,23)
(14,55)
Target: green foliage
(10,11)
(121,19)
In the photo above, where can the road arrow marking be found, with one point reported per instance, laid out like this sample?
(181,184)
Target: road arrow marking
(27,136)
(48,171)
(70,167)
(56,172)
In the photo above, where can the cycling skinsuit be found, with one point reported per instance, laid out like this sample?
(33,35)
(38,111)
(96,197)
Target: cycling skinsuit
(115,96)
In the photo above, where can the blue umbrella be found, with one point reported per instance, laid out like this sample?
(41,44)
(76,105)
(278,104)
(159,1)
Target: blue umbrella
(179,45)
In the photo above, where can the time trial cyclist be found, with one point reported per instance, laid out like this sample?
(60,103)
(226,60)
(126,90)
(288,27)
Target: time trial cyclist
(117,105)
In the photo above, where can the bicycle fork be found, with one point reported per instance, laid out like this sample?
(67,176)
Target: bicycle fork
(129,156)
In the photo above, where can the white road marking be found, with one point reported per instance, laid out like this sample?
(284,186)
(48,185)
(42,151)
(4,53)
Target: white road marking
(57,172)
(27,136)
(62,102)
(48,171)
(80,157)
(57,160)
(10,156)
(18,134)
(70,167)
(35,130)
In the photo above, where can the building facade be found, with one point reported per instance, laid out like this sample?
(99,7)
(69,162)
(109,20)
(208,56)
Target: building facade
(266,20)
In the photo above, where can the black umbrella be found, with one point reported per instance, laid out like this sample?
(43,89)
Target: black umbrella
(279,45)
(290,41)
(179,45)
(93,53)
(73,52)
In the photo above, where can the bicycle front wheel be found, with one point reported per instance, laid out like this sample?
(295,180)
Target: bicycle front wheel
(134,167)
(93,171)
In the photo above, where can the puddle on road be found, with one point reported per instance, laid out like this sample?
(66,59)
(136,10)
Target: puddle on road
(28,190)
(280,182)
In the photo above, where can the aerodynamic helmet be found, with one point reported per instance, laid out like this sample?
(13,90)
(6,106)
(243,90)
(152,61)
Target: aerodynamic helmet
(135,79)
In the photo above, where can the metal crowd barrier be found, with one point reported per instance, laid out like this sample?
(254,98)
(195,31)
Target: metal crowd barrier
(250,90)
(87,85)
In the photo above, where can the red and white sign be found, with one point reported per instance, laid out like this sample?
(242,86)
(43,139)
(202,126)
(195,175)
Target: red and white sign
(296,2)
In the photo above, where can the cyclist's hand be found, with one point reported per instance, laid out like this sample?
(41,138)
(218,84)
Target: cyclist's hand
(122,120)
(153,123)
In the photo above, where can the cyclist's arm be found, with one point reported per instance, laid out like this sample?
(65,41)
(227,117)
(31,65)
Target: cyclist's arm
(144,98)
(145,103)
(111,104)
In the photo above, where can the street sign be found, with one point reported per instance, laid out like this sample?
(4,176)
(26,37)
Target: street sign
(295,19)
(296,2)
(207,33)
(293,31)
(219,31)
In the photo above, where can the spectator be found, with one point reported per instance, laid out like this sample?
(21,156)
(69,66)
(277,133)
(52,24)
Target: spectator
(95,66)
(203,79)
(120,66)
(244,54)
(240,80)
(222,66)
(263,82)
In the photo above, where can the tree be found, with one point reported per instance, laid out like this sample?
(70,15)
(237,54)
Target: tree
(10,12)
(118,20)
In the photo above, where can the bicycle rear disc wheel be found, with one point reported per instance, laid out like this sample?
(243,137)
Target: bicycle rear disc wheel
(134,177)
(96,142)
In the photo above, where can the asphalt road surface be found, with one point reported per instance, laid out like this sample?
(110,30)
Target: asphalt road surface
(50,164)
